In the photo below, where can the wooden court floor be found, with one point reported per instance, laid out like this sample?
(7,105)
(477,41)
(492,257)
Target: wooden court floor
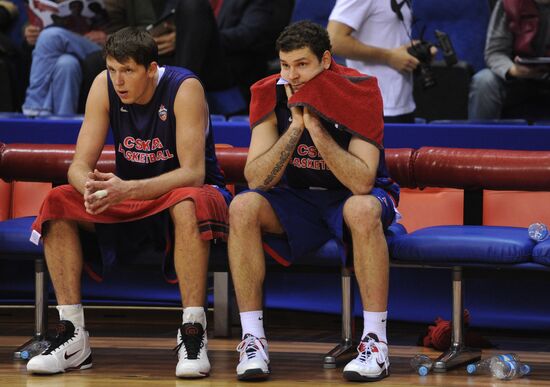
(140,354)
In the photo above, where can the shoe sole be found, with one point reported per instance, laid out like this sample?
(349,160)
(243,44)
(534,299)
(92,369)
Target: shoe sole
(194,376)
(354,376)
(254,374)
(86,364)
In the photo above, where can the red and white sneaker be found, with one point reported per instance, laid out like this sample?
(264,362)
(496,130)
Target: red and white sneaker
(70,350)
(253,359)
(192,352)
(371,364)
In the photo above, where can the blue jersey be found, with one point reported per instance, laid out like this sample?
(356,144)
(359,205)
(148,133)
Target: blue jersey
(145,135)
(306,168)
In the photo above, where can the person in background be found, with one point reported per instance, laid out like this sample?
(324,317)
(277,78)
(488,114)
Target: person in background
(374,37)
(55,72)
(226,43)
(518,28)
(9,58)
(313,179)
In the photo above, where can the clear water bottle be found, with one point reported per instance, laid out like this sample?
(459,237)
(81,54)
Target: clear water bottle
(505,366)
(35,348)
(422,364)
(538,232)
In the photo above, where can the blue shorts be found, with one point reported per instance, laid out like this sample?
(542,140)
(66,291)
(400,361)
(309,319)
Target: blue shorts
(311,218)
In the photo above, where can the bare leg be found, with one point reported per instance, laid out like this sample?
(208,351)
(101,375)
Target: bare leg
(63,252)
(190,254)
(249,215)
(370,257)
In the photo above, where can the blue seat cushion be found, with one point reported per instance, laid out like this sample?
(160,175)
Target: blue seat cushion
(541,253)
(463,244)
(14,237)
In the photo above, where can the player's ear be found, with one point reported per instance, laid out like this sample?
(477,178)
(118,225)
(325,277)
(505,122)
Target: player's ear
(152,69)
(326,59)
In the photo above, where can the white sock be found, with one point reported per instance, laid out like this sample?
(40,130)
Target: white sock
(253,322)
(73,313)
(375,322)
(193,314)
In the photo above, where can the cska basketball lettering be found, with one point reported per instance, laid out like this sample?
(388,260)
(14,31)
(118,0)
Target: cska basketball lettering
(151,150)
(309,153)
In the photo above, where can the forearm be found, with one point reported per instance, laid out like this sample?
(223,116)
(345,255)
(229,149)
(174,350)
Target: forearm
(349,47)
(266,170)
(77,176)
(351,171)
(152,188)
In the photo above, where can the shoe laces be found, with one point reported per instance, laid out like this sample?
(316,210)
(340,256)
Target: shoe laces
(65,332)
(192,340)
(367,348)
(251,347)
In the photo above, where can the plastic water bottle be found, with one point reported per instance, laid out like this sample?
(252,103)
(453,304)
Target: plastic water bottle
(538,232)
(505,366)
(36,348)
(422,364)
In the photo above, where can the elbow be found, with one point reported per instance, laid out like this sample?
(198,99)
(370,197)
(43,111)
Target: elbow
(198,180)
(362,188)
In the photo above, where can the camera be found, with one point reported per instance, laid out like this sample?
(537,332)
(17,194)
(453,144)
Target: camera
(421,51)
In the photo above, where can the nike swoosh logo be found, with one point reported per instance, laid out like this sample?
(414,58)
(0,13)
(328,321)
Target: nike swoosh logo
(123,110)
(67,356)
(260,318)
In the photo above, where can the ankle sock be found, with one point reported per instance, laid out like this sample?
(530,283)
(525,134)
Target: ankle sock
(375,322)
(253,322)
(73,313)
(193,314)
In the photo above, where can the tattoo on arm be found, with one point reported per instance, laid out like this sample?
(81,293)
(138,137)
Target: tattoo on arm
(284,156)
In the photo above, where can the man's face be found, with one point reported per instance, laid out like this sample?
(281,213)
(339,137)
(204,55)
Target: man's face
(132,82)
(301,65)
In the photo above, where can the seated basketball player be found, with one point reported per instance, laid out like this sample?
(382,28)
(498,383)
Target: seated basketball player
(168,194)
(316,172)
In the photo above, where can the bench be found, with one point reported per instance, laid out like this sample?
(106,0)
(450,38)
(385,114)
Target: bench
(49,163)
(475,244)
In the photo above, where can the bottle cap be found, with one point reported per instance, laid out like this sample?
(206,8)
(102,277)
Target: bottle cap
(24,355)
(471,368)
(538,231)
(422,370)
(525,369)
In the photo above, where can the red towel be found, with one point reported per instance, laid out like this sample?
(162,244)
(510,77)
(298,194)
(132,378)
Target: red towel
(65,202)
(439,335)
(340,95)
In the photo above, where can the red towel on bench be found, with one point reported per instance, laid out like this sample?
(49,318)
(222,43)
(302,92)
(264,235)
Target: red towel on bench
(330,95)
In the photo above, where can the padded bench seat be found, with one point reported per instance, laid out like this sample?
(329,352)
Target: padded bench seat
(541,253)
(14,238)
(461,245)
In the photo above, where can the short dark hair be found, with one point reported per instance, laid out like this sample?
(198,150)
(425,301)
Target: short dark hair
(304,34)
(132,43)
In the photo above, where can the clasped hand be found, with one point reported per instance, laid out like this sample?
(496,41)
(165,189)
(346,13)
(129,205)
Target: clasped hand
(302,116)
(102,190)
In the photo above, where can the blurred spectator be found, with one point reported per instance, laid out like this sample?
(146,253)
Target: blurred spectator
(8,57)
(374,36)
(56,74)
(226,43)
(518,28)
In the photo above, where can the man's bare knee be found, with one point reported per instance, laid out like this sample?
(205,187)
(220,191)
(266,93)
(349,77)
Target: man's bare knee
(183,214)
(362,213)
(245,208)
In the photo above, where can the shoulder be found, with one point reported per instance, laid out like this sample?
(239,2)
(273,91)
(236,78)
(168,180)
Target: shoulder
(190,88)
(351,10)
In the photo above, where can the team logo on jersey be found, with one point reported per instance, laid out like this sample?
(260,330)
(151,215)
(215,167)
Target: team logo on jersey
(163,113)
